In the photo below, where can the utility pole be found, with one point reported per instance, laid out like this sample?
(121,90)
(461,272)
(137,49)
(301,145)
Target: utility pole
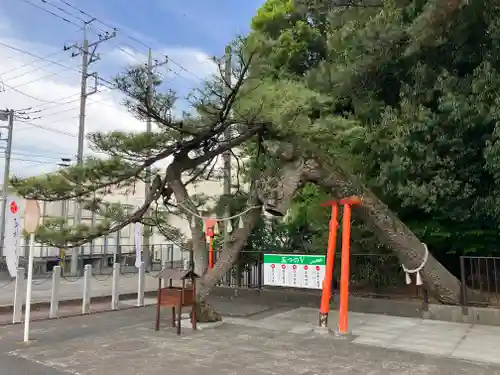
(147,186)
(150,67)
(226,156)
(88,53)
(65,163)
(6,171)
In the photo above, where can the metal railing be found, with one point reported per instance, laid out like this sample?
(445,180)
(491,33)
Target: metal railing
(102,263)
(480,281)
(43,251)
(373,275)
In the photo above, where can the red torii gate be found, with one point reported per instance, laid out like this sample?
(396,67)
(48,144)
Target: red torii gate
(343,325)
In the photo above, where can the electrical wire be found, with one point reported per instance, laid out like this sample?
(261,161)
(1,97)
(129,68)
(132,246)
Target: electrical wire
(51,13)
(28,154)
(33,161)
(48,128)
(129,54)
(36,108)
(53,74)
(63,11)
(28,64)
(28,95)
(54,122)
(128,36)
(71,108)
(38,57)
(32,70)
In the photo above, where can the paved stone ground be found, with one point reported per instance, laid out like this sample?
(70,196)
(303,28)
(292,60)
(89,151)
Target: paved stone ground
(124,342)
(72,288)
(455,340)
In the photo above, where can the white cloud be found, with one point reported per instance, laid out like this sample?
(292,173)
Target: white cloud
(52,91)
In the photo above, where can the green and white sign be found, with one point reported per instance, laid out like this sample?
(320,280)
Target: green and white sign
(290,270)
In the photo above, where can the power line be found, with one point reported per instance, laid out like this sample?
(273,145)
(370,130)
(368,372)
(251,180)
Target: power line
(77,9)
(50,114)
(105,24)
(51,13)
(128,53)
(68,109)
(51,123)
(32,70)
(28,64)
(34,161)
(123,50)
(47,128)
(47,156)
(53,74)
(38,57)
(58,103)
(63,11)
(130,38)
(28,95)
(169,60)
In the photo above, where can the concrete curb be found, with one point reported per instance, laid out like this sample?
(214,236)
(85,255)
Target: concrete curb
(384,306)
(78,301)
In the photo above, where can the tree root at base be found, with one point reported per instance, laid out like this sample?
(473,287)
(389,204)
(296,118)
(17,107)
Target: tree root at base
(205,313)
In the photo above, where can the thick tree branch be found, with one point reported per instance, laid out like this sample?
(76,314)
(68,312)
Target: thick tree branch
(154,193)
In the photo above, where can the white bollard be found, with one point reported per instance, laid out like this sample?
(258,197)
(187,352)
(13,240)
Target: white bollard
(87,276)
(29,288)
(141,280)
(54,295)
(165,266)
(19,295)
(115,293)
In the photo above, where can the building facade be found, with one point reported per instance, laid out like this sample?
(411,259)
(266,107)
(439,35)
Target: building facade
(120,242)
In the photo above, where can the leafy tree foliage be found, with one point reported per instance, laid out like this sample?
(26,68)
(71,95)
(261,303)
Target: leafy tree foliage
(418,80)
(398,96)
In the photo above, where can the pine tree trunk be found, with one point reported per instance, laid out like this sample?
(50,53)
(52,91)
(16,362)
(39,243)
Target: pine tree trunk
(225,261)
(384,223)
(228,255)
(393,233)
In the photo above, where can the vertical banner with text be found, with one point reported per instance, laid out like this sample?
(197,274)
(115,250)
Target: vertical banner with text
(12,241)
(138,243)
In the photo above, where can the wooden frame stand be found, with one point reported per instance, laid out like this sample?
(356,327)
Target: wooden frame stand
(176,297)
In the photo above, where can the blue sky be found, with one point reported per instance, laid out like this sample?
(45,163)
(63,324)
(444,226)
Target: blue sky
(205,24)
(189,31)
